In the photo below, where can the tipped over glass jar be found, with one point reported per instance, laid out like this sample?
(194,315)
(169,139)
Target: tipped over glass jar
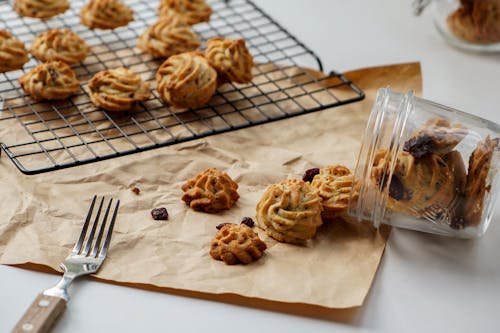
(472,25)
(426,167)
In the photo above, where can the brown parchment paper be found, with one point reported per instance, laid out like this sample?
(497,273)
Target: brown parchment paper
(41,215)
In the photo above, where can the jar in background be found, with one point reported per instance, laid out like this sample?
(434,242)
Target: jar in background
(472,25)
(426,167)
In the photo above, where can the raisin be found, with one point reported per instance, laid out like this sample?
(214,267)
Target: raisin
(159,213)
(420,146)
(220,225)
(248,221)
(309,174)
(136,190)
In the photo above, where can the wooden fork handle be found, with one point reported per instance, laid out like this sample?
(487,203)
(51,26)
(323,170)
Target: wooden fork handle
(41,315)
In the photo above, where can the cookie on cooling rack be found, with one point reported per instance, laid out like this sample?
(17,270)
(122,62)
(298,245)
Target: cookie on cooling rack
(237,244)
(290,211)
(168,36)
(210,191)
(40,8)
(230,58)
(13,54)
(118,89)
(186,80)
(50,80)
(106,14)
(60,44)
(190,11)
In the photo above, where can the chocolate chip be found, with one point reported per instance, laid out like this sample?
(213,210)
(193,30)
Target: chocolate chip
(396,189)
(159,213)
(136,190)
(309,174)
(219,226)
(248,221)
(420,146)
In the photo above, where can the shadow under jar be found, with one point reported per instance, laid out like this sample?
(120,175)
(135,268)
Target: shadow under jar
(426,167)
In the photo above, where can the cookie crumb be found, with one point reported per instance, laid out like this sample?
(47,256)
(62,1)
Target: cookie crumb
(309,174)
(159,213)
(136,190)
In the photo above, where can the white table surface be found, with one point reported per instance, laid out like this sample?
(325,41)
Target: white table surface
(424,283)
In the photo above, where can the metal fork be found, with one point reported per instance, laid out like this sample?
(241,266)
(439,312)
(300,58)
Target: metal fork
(46,308)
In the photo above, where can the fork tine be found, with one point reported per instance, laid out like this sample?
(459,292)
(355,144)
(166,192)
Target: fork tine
(101,230)
(110,231)
(92,231)
(79,243)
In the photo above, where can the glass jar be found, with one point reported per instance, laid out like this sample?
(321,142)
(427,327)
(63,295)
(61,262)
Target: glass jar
(472,25)
(426,167)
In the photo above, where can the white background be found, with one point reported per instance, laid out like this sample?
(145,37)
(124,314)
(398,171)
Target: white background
(425,282)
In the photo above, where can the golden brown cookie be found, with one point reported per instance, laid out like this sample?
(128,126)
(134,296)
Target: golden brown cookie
(476,21)
(480,163)
(334,184)
(186,80)
(237,244)
(118,89)
(50,80)
(40,8)
(60,44)
(13,54)
(190,11)
(290,211)
(436,136)
(168,36)
(421,187)
(106,14)
(210,191)
(230,58)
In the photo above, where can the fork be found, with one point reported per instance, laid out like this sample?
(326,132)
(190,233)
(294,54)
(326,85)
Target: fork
(48,305)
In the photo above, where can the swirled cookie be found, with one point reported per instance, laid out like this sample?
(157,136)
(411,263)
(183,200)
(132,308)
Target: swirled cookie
(190,11)
(13,54)
(290,211)
(186,80)
(420,187)
(230,58)
(237,244)
(60,44)
(118,89)
(168,36)
(480,162)
(210,191)
(334,184)
(50,80)
(40,8)
(436,136)
(106,14)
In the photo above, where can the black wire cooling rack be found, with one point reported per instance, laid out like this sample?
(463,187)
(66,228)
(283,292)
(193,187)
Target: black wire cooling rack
(40,136)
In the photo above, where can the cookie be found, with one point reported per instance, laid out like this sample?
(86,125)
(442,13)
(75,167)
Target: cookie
(106,14)
(476,21)
(13,54)
(480,162)
(50,80)
(118,89)
(40,8)
(237,244)
(210,191)
(436,136)
(168,36)
(334,184)
(60,44)
(186,80)
(230,58)
(290,211)
(190,11)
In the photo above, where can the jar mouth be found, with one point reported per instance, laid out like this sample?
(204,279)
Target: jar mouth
(383,133)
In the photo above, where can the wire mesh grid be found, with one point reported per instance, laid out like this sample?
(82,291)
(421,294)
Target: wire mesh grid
(41,136)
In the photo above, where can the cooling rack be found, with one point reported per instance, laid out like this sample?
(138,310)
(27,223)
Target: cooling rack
(40,137)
